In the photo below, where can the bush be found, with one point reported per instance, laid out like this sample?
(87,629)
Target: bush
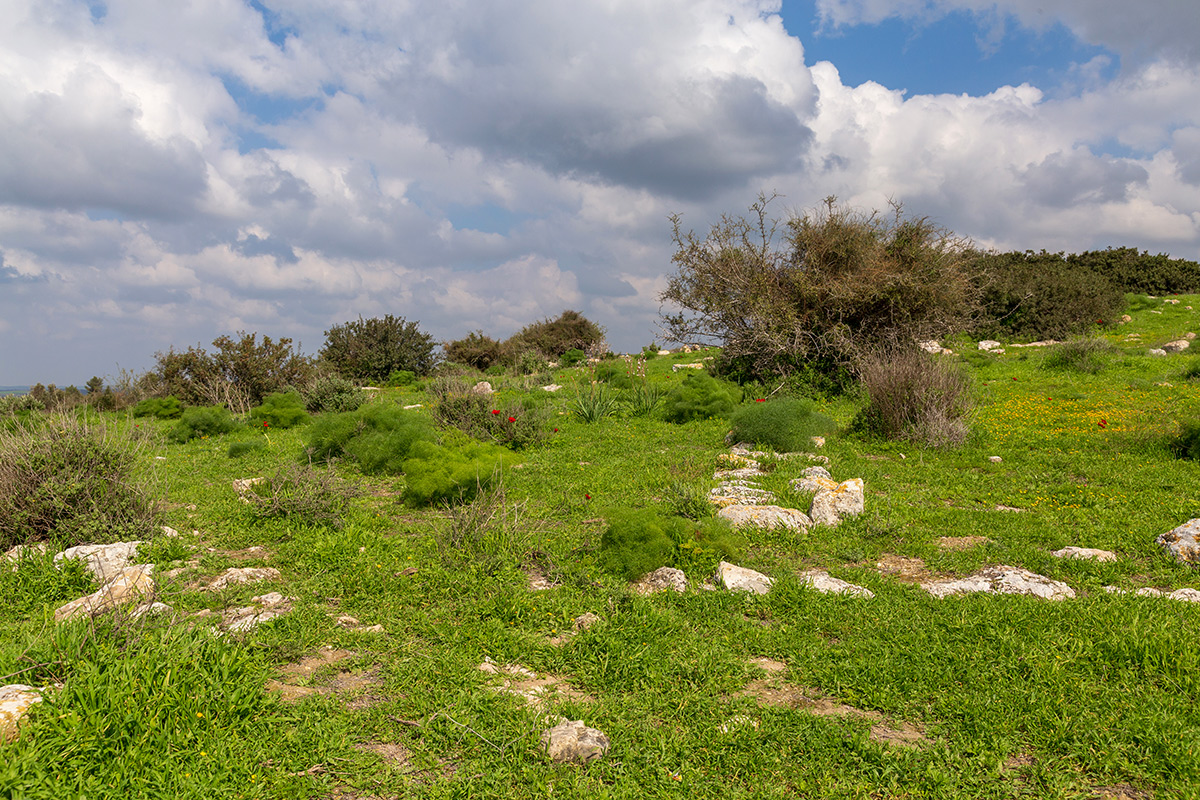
(485,534)
(571,358)
(553,338)
(1192,371)
(785,425)
(70,483)
(615,375)
(378,437)
(485,417)
(451,474)
(370,350)
(1079,355)
(239,449)
(640,541)
(167,407)
(700,396)
(840,282)
(238,375)
(333,393)
(52,398)
(478,351)
(915,397)
(303,494)
(402,377)
(202,421)
(1187,443)
(281,410)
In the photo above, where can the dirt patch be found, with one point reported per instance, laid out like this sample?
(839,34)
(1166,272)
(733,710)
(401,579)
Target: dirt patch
(533,688)
(355,689)
(909,570)
(773,692)
(1120,791)
(961,542)
(305,667)
(1009,508)
(396,755)
(769,665)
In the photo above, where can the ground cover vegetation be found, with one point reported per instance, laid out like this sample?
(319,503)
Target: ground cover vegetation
(465,544)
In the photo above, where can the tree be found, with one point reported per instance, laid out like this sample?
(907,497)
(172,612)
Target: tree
(553,337)
(834,284)
(370,350)
(238,375)
(95,385)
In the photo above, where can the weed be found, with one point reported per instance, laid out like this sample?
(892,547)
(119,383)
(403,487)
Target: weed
(301,493)
(511,423)
(914,397)
(642,540)
(593,402)
(243,448)
(378,436)
(1087,355)
(202,421)
(486,533)
(335,394)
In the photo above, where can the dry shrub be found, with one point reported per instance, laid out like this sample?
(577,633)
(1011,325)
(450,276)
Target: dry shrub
(302,493)
(915,397)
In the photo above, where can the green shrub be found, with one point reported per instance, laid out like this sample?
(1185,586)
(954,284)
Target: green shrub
(478,351)
(615,375)
(280,410)
(571,358)
(509,422)
(785,425)
(202,421)
(643,399)
(378,437)
(1087,355)
(72,483)
(700,396)
(486,534)
(370,350)
(402,377)
(554,337)
(914,396)
(238,375)
(239,449)
(13,404)
(303,494)
(640,541)
(436,473)
(1187,443)
(333,393)
(167,407)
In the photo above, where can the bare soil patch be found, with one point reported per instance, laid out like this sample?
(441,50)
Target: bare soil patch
(1121,791)
(303,678)
(961,542)
(909,570)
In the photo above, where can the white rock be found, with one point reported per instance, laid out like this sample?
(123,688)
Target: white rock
(127,586)
(730,494)
(553,387)
(1156,351)
(482,388)
(269,600)
(931,346)
(661,580)
(830,506)
(170,532)
(150,610)
(763,516)
(738,722)
(818,441)
(1186,595)
(1087,553)
(413,407)
(738,474)
(740,579)
(1191,337)
(240,575)
(825,583)
(104,561)
(243,619)
(244,485)
(15,701)
(995,459)
(816,472)
(572,742)
(1002,580)
(988,344)
(678,367)
(1177,346)
(1183,542)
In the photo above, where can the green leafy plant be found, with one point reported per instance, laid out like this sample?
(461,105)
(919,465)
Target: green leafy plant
(593,402)
(615,375)
(571,357)
(478,350)
(167,407)
(1186,444)
(638,541)
(370,350)
(487,533)
(377,436)
(202,421)
(402,377)
(246,447)
(700,396)
(785,424)
(512,423)
(280,410)
(436,473)
(643,399)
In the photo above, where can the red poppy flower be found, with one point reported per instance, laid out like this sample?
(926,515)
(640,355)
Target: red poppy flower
(1014,377)
(556,430)
(760,400)
(512,419)
(266,424)
(1103,423)
(587,497)
(496,411)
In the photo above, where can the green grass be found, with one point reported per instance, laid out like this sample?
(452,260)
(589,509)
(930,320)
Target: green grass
(1017,697)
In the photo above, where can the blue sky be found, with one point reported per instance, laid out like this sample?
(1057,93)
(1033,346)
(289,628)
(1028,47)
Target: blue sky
(176,172)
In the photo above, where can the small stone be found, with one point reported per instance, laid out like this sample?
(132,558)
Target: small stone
(1191,337)
(678,367)
(817,472)
(150,610)
(1086,553)
(585,621)
(995,459)
(1183,542)
(813,484)
(245,485)
(482,388)
(269,600)
(1178,346)
(738,722)
(825,583)
(1126,318)
(661,580)
(931,346)
(738,474)
(988,344)
(241,575)
(413,407)
(171,532)
(371,629)
(347,622)
(572,742)
(1156,351)
(763,516)
(553,387)
(740,579)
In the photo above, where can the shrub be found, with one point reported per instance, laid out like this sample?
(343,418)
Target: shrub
(14,404)
(451,474)
(485,417)
(700,396)
(1079,355)
(370,350)
(1187,443)
(571,358)
(402,377)
(52,398)
(167,407)
(238,375)
(300,493)
(643,399)
(554,337)
(840,282)
(71,483)
(378,437)
(615,375)
(281,410)
(1192,371)
(640,541)
(239,449)
(333,393)
(478,351)
(785,425)
(486,533)
(202,421)
(915,397)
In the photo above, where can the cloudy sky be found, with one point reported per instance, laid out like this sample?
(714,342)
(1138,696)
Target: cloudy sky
(173,171)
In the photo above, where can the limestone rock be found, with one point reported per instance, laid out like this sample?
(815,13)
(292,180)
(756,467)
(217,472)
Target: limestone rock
(831,505)
(239,575)
(678,367)
(585,621)
(813,485)
(127,586)
(482,388)
(23,551)
(816,472)
(995,459)
(661,580)
(1190,336)
(762,516)
(267,607)
(1183,542)
(1156,351)
(1177,346)
(740,579)
(1186,595)
(572,742)
(243,486)
(150,610)
(931,346)
(553,387)
(15,701)
(741,474)
(989,344)
(1002,580)
(731,493)
(825,583)
(104,561)
(1086,553)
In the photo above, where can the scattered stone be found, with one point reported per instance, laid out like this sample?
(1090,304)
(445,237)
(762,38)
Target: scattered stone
(989,344)
(150,610)
(1126,318)
(816,472)
(523,682)
(269,600)
(819,441)
(661,580)
(585,621)
(482,388)
(1120,791)
(831,505)
(1002,580)
(961,542)
(1183,542)
(244,486)
(553,387)
(740,579)
(931,346)
(572,742)
(1177,346)
(744,473)
(15,701)
(769,664)
(347,622)
(1187,595)
(23,551)
(906,569)
(240,575)
(104,561)
(737,461)
(240,620)
(538,582)
(995,459)
(1156,351)
(731,493)
(371,629)
(1043,343)
(1002,507)
(1171,301)
(678,367)
(763,516)
(813,484)
(127,586)
(1086,553)
(825,583)
(1190,336)
(413,407)
(170,532)
(774,692)
(737,723)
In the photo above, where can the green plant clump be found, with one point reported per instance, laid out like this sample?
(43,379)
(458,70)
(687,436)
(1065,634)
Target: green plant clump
(281,410)
(615,375)
(301,493)
(512,423)
(167,407)
(202,421)
(333,393)
(700,396)
(571,357)
(378,436)
(785,425)
(451,474)
(1187,443)
(914,397)
(1087,355)
(638,541)
(239,449)
(402,377)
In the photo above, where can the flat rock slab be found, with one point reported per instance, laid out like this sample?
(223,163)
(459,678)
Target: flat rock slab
(662,579)
(266,608)
(1085,553)
(526,684)
(572,742)
(961,542)
(1183,542)
(740,579)
(235,576)
(1186,595)
(104,561)
(1002,580)
(744,473)
(733,495)
(830,506)
(130,585)
(825,583)
(765,516)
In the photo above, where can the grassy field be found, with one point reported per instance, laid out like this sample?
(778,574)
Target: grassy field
(703,694)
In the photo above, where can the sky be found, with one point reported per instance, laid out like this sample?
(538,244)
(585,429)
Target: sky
(173,172)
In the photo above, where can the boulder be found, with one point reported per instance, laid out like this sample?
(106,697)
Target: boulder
(1086,553)
(1183,542)
(15,701)
(104,561)
(831,505)
(825,583)
(816,472)
(239,575)
(1178,346)
(1186,595)
(129,585)
(1002,580)
(572,742)
(763,516)
(482,388)
(813,485)
(740,579)
(989,344)
(661,580)
(1156,351)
